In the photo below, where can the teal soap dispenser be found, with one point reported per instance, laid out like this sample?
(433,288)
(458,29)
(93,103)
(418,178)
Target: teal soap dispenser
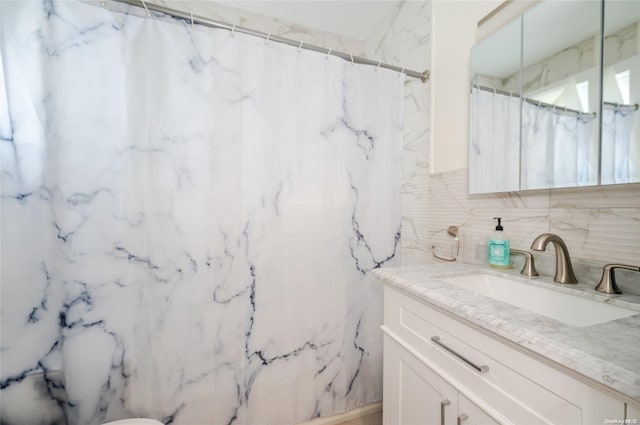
(499,248)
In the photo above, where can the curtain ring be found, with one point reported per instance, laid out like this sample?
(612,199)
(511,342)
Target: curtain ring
(233,30)
(300,46)
(145,7)
(328,53)
(351,58)
(267,40)
(378,67)
(191,21)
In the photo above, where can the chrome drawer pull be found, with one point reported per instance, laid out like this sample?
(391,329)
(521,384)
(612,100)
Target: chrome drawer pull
(443,404)
(481,369)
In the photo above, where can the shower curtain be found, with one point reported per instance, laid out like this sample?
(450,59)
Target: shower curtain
(558,148)
(189,219)
(495,142)
(620,146)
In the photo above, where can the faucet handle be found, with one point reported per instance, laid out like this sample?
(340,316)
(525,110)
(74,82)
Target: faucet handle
(529,268)
(608,283)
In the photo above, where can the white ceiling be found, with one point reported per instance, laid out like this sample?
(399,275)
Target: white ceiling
(350,18)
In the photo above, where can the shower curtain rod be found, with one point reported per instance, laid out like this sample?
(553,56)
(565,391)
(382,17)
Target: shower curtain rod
(622,105)
(532,101)
(189,17)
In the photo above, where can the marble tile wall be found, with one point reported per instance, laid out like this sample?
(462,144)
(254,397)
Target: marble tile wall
(404,39)
(579,58)
(600,224)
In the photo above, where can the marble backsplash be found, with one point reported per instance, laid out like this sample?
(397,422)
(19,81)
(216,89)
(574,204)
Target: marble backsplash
(599,224)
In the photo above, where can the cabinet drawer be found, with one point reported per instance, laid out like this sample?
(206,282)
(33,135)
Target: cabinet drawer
(470,414)
(522,388)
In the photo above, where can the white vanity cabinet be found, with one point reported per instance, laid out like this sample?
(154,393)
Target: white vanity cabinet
(633,415)
(415,394)
(470,414)
(441,370)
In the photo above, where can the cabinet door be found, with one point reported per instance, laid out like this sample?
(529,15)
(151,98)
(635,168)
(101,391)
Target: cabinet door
(413,393)
(470,414)
(633,415)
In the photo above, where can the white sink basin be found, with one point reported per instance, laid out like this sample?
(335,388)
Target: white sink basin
(566,308)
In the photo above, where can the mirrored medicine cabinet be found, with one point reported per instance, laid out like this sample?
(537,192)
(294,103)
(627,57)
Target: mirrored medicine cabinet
(554,98)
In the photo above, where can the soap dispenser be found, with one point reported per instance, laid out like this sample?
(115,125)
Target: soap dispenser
(499,248)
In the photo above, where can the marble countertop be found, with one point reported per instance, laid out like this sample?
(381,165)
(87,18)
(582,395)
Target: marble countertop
(607,353)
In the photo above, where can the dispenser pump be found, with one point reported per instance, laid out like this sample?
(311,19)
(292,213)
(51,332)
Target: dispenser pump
(499,247)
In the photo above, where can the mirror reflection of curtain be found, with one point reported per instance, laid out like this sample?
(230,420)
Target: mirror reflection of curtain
(620,157)
(495,147)
(556,148)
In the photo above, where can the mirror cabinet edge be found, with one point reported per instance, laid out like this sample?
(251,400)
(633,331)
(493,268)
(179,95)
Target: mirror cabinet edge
(503,14)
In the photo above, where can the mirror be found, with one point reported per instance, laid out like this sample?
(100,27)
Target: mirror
(561,87)
(546,111)
(621,93)
(494,147)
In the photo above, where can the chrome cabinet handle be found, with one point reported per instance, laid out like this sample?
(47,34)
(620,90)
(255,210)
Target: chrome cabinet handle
(443,404)
(463,417)
(480,369)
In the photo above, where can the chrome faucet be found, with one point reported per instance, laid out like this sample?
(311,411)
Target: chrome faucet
(564,270)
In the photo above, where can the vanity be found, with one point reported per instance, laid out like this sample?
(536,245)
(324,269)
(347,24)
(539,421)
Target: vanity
(462,347)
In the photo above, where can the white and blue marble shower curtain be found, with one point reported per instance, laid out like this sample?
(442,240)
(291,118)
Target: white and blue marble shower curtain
(494,150)
(558,148)
(620,144)
(189,219)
